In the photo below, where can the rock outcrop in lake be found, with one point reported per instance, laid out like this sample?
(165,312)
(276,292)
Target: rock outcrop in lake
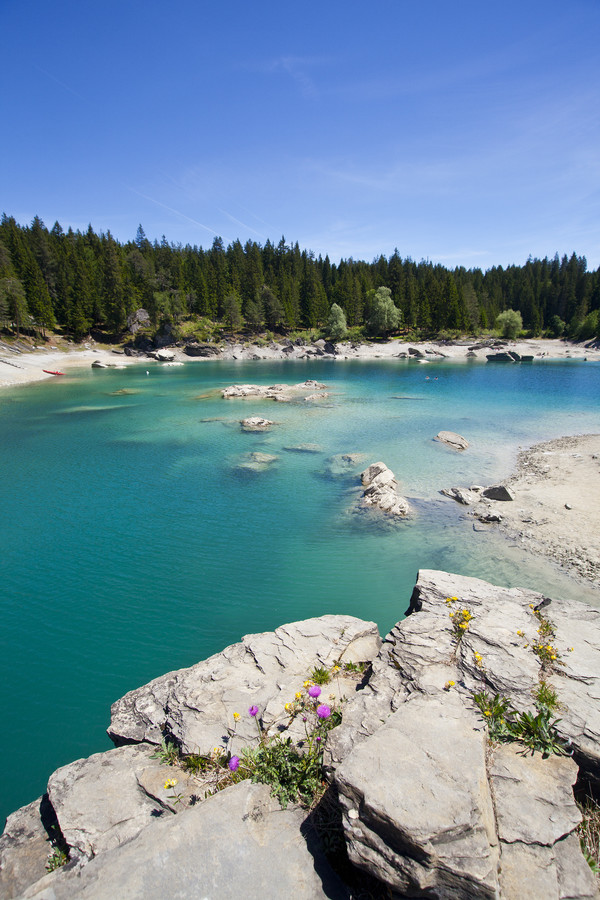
(381,491)
(282,393)
(429,806)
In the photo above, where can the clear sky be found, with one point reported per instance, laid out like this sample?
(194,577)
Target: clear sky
(467,133)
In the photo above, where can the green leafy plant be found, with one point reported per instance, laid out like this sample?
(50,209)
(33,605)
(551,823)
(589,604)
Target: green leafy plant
(292,775)
(196,763)
(320,675)
(536,731)
(168,753)
(545,696)
(56,859)
(354,668)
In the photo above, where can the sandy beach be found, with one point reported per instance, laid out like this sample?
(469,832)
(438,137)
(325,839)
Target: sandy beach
(555,511)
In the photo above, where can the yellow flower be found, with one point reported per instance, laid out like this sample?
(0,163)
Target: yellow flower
(336,668)
(553,656)
(288,707)
(448,685)
(449,599)
(520,633)
(236,716)
(487,713)
(217,751)
(451,615)
(307,684)
(298,695)
(570,649)
(170,783)
(464,625)
(531,606)
(454,598)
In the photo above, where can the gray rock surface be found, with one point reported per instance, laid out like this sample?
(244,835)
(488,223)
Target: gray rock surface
(429,807)
(256,461)
(238,843)
(452,439)
(465,496)
(24,849)
(498,492)
(418,707)
(255,423)
(279,392)
(106,783)
(196,705)
(380,491)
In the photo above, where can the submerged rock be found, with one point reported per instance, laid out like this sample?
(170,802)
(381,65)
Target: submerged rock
(256,461)
(451,439)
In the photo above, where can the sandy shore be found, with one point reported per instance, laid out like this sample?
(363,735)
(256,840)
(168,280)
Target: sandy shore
(555,511)
(24,366)
(28,366)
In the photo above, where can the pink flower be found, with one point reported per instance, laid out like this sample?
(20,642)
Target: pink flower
(253,710)
(314,690)
(323,712)
(234,763)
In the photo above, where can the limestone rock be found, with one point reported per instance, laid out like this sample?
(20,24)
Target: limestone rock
(429,829)
(98,364)
(343,464)
(256,461)
(381,490)
(451,439)
(462,495)
(305,448)
(196,705)
(164,355)
(255,423)
(137,320)
(105,785)
(24,848)
(196,349)
(498,492)
(238,843)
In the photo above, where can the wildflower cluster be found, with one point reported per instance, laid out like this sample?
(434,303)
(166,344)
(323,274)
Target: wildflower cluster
(293,768)
(543,645)
(536,731)
(460,618)
(478,659)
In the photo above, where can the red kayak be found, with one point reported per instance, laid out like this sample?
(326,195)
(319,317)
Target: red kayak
(48,372)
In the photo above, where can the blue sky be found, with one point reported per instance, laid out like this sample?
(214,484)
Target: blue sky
(466,133)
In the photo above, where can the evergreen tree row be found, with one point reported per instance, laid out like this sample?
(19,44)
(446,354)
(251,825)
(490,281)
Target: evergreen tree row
(79,281)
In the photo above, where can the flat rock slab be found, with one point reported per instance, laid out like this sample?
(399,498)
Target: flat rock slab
(452,440)
(417,809)
(279,392)
(196,705)
(239,843)
(99,802)
(255,423)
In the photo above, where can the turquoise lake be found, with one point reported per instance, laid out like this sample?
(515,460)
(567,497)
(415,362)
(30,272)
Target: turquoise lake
(133,544)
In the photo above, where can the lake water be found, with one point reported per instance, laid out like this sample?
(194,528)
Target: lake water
(133,544)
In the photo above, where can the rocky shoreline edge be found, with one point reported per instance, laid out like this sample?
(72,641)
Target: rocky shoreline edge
(21,364)
(421,800)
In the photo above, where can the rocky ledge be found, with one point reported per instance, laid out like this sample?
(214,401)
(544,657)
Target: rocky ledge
(430,807)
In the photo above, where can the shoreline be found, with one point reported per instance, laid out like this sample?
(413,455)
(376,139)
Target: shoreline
(18,367)
(554,512)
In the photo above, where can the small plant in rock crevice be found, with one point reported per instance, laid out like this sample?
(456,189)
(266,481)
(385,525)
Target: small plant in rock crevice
(535,731)
(56,859)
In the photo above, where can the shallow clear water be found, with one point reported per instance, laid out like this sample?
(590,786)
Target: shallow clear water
(132,544)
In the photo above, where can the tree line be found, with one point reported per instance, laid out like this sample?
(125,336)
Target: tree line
(78,281)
